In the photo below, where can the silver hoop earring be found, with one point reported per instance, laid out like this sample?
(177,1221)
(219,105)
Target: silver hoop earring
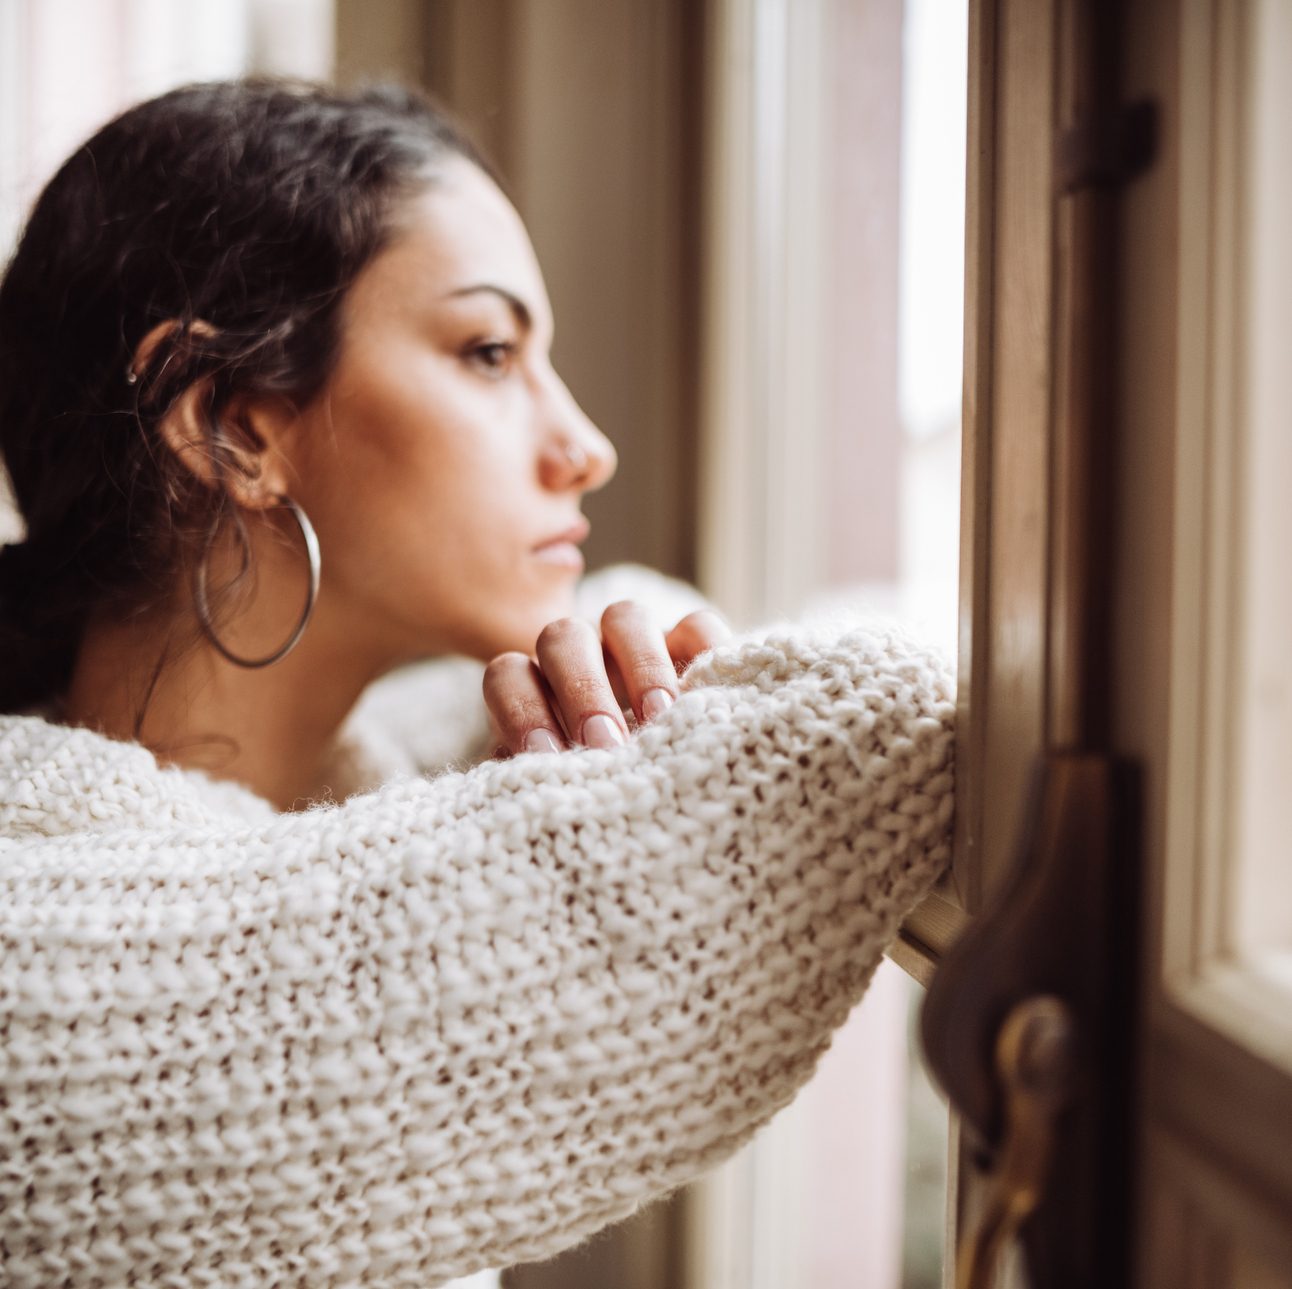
(203,610)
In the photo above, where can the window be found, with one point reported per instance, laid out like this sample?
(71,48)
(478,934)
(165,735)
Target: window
(832,482)
(66,66)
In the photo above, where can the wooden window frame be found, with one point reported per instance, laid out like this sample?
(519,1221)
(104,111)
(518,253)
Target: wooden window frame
(1218,1046)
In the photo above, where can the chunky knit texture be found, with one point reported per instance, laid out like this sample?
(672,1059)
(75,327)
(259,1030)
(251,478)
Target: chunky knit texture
(456,1021)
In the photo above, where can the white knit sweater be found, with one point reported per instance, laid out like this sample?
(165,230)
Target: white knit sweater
(455,1021)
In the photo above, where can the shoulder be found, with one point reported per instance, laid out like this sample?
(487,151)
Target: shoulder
(57,780)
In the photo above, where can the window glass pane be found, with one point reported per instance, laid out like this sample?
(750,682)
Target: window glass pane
(896,304)
(850,1185)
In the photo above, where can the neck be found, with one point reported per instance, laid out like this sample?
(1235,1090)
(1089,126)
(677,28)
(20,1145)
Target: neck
(163,684)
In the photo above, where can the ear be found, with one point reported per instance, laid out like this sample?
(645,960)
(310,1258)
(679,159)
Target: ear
(242,453)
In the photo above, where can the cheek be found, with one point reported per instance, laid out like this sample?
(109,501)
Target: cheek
(423,504)
(405,442)
(425,509)
(427,502)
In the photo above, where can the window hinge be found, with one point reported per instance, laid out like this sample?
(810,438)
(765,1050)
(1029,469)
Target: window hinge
(1102,151)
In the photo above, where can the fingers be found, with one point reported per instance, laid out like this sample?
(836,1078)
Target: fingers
(520,706)
(698,631)
(571,660)
(564,697)
(636,650)
(577,687)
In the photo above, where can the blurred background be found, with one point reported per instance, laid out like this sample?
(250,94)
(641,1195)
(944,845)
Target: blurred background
(750,214)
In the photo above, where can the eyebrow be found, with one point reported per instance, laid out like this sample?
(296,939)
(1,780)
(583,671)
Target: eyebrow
(518,306)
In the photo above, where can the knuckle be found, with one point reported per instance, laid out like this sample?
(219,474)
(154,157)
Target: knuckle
(520,714)
(515,709)
(647,664)
(510,691)
(705,624)
(505,667)
(705,617)
(562,631)
(623,611)
(585,693)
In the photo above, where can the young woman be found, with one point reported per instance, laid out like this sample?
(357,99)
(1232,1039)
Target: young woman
(280,1003)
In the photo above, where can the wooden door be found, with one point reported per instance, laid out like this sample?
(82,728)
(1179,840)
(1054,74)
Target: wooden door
(1126,593)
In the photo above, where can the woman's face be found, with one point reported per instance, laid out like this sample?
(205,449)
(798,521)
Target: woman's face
(444,451)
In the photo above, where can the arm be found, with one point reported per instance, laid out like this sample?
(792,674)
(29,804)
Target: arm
(466,1021)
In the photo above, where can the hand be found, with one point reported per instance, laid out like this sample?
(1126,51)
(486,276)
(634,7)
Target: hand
(576,690)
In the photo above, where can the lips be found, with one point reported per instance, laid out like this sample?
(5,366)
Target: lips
(561,550)
(571,536)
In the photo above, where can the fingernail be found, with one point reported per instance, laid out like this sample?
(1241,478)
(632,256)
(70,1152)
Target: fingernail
(541,740)
(601,731)
(655,701)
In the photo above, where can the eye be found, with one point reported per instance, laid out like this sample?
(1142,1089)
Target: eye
(492,357)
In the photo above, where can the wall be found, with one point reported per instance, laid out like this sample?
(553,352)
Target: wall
(589,111)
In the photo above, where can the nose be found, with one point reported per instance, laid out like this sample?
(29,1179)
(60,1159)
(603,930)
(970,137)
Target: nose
(575,454)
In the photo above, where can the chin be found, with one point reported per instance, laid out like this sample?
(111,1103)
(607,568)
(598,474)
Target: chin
(550,609)
(519,631)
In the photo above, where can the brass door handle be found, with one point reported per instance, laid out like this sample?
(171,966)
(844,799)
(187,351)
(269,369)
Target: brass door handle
(1036,1065)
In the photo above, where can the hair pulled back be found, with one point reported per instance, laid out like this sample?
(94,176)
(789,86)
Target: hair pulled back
(242,211)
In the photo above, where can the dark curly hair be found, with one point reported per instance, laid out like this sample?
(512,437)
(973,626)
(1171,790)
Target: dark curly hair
(242,211)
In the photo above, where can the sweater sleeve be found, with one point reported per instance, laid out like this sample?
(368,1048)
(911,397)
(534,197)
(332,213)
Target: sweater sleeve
(460,1022)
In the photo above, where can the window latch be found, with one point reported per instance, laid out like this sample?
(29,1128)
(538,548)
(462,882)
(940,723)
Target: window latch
(1035,1062)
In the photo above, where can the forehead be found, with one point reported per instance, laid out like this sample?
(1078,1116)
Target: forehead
(459,231)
